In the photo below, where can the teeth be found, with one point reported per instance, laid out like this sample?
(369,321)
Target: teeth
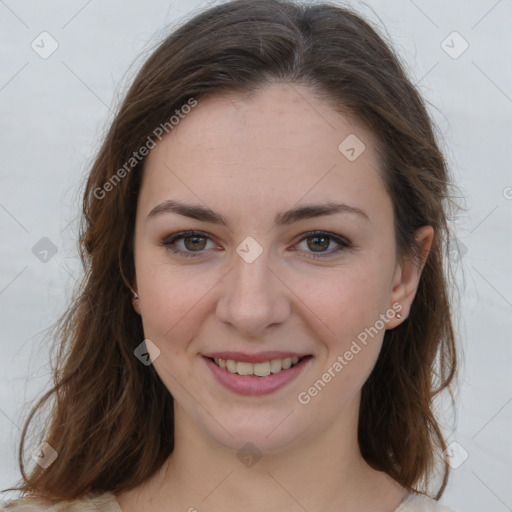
(275,365)
(244,368)
(260,369)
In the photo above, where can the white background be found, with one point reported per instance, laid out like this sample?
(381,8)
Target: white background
(54,111)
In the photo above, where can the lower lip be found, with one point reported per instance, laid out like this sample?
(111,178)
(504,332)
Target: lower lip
(252,385)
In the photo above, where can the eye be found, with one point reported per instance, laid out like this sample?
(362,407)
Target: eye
(321,240)
(194,243)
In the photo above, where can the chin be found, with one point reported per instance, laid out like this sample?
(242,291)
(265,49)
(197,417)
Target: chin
(272,432)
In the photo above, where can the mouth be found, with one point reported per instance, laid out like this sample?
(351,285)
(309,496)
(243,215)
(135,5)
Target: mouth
(256,374)
(259,369)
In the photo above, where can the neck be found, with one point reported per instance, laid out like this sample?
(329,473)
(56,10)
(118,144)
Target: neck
(321,472)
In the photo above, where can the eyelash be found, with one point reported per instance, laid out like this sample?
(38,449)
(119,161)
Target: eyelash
(172,239)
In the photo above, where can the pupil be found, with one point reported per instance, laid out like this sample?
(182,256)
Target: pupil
(321,238)
(194,244)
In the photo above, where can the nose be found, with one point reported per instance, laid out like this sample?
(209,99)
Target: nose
(253,297)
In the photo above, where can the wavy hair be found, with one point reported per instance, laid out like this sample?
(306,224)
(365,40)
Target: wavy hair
(111,419)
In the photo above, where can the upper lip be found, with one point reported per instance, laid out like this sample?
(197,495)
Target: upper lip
(260,357)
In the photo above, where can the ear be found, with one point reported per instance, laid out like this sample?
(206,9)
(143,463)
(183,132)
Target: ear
(135,301)
(407,276)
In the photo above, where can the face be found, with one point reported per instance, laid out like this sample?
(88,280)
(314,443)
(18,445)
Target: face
(255,288)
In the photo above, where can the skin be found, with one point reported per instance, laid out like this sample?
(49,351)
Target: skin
(247,158)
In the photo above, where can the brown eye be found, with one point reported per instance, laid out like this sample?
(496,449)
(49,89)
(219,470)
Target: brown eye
(319,243)
(187,243)
(194,243)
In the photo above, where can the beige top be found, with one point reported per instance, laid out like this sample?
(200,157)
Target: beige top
(107,502)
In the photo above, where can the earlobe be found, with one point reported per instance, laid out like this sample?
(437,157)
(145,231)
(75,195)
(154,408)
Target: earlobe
(135,298)
(136,305)
(408,273)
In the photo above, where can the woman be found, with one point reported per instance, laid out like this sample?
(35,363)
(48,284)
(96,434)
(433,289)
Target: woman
(264,317)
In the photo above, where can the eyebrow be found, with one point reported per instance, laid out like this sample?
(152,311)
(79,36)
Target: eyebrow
(287,217)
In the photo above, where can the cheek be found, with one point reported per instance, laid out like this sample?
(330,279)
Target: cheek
(351,309)
(352,299)
(172,297)
(173,304)
(351,306)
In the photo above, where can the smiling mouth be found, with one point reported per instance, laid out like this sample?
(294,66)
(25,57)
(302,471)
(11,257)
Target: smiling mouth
(263,369)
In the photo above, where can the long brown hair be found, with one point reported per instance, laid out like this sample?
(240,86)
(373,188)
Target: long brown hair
(111,421)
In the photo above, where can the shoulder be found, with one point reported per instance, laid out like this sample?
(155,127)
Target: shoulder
(92,502)
(421,503)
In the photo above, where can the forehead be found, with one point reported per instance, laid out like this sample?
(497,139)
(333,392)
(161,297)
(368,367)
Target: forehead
(281,141)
